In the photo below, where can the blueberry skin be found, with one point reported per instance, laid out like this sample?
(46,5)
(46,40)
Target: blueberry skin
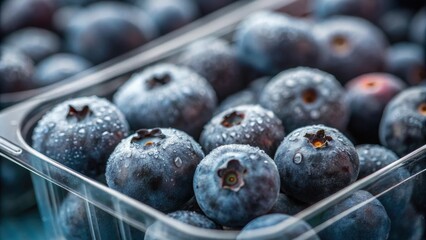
(304,96)
(216,61)
(402,127)
(73,220)
(165,95)
(243,97)
(16,70)
(410,226)
(395,24)
(158,231)
(108,29)
(345,53)
(234,184)
(80,133)
(208,6)
(368,96)
(418,27)
(170,15)
(246,124)
(159,163)
(367,9)
(300,227)
(375,157)
(36,43)
(287,205)
(405,60)
(15,15)
(59,67)
(368,221)
(272,42)
(315,162)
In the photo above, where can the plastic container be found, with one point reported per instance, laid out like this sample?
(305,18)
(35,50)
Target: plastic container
(130,218)
(17,193)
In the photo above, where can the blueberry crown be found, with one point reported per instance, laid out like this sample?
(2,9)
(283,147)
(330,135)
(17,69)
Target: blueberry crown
(231,176)
(79,114)
(318,139)
(148,137)
(158,80)
(232,119)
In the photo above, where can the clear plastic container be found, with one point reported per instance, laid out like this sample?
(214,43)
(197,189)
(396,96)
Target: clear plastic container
(126,217)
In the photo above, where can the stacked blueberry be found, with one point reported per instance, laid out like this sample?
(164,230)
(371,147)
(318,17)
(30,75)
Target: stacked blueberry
(207,143)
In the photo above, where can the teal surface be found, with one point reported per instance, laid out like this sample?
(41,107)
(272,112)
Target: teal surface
(26,226)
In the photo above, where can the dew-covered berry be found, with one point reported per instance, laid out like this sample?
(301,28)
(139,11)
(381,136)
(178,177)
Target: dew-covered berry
(155,166)
(246,124)
(81,133)
(165,95)
(315,162)
(304,96)
(236,183)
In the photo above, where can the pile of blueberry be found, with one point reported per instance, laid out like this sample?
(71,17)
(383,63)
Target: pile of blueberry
(244,135)
(46,41)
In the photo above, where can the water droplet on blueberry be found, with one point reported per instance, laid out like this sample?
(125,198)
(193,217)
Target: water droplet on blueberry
(297,158)
(178,162)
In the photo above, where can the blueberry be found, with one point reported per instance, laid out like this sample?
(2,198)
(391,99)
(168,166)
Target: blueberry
(234,184)
(156,167)
(271,42)
(63,16)
(405,60)
(59,67)
(243,97)
(368,221)
(410,226)
(372,158)
(216,61)
(295,229)
(304,96)
(159,230)
(395,24)
(25,13)
(108,29)
(36,43)
(368,96)
(16,70)
(403,125)
(287,205)
(367,9)
(167,96)
(246,124)
(315,162)
(351,46)
(418,27)
(170,15)
(395,201)
(80,133)
(76,216)
(208,6)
